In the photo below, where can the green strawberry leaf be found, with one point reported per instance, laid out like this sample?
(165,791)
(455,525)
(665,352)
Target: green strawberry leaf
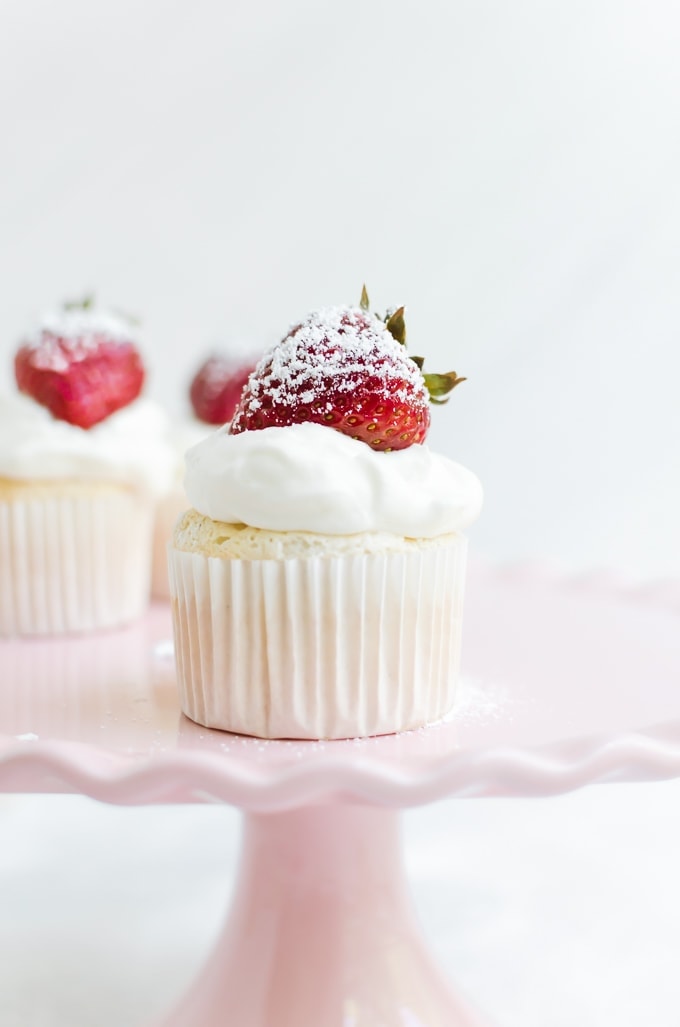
(439,385)
(396,326)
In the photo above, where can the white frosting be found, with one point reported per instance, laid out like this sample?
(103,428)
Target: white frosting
(184,434)
(308,477)
(130,446)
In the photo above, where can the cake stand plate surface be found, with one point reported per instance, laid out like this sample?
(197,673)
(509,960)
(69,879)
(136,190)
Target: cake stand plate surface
(565,682)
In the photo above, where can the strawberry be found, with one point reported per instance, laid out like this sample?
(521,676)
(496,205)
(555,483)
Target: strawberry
(347,369)
(81,365)
(216,387)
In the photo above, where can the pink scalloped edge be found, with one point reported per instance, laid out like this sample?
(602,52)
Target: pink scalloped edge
(199,777)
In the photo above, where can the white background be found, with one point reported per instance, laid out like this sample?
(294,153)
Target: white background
(509,171)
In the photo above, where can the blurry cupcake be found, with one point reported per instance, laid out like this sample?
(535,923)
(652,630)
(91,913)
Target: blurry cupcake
(214,394)
(317,583)
(82,458)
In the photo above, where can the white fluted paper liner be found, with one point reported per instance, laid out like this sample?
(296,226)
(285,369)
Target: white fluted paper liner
(74,562)
(326,647)
(168,509)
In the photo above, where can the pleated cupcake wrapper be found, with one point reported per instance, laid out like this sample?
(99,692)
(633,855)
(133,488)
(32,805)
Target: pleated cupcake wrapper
(73,563)
(320,647)
(168,510)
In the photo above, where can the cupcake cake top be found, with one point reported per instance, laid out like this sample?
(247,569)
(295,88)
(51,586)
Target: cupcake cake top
(328,437)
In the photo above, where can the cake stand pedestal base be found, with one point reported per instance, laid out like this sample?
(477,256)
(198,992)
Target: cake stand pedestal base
(322,932)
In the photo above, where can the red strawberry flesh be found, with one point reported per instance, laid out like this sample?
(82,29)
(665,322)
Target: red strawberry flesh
(82,377)
(217,386)
(341,368)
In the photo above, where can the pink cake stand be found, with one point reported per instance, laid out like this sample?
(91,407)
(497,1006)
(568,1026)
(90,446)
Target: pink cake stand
(566,682)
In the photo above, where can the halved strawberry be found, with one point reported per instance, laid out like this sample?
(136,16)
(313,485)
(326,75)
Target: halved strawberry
(217,386)
(81,365)
(347,369)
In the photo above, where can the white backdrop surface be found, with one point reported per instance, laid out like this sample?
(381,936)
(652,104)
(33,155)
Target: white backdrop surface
(507,170)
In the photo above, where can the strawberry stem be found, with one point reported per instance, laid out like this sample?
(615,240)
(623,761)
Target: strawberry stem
(86,303)
(438,385)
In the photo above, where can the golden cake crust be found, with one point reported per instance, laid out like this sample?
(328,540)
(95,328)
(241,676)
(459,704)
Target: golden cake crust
(195,533)
(13,489)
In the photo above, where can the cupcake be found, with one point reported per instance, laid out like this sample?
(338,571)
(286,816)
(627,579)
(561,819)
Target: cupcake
(317,581)
(171,503)
(214,394)
(82,458)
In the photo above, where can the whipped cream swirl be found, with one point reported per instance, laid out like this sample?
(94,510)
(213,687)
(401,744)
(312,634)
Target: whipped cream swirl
(308,477)
(131,446)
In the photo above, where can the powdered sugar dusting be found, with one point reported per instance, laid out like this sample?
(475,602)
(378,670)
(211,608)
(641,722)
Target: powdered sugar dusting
(68,336)
(480,701)
(334,349)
